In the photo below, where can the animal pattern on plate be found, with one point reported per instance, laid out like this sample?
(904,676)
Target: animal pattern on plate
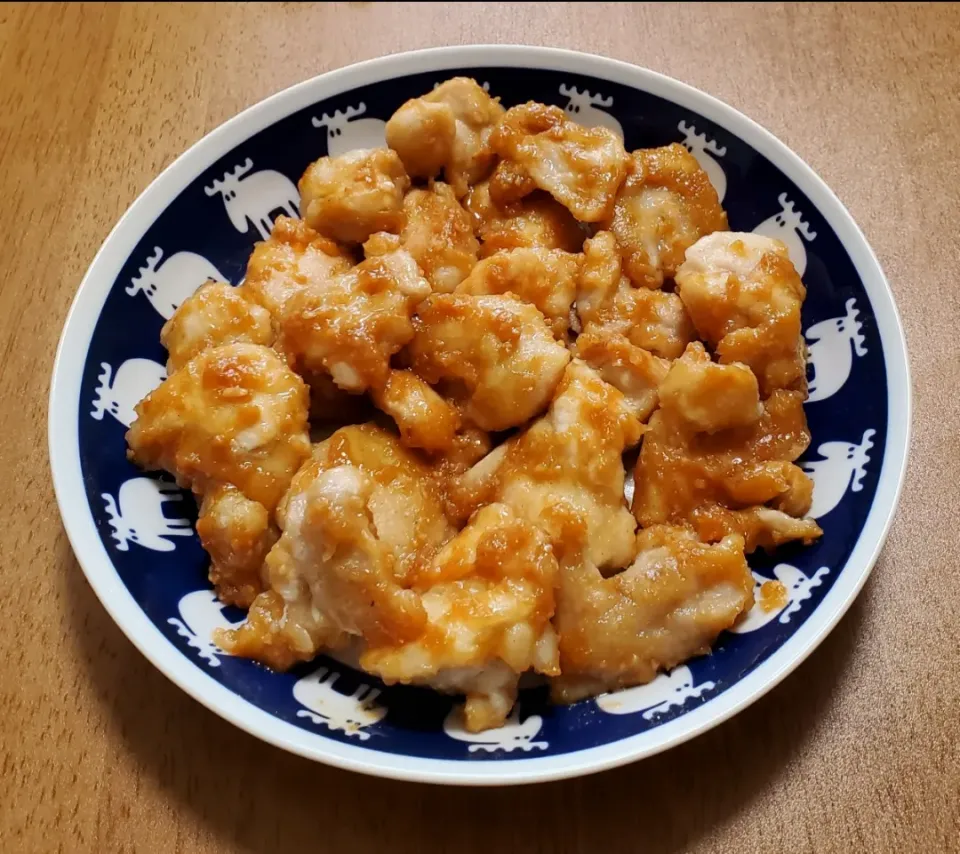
(255,197)
(350,714)
(119,394)
(583,107)
(137,516)
(176,279)
(799,589)
(513,735)
(347,132)
(145,523)
(705,151)
(667,691)
(201,614)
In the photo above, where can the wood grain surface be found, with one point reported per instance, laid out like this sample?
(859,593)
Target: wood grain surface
(856,751)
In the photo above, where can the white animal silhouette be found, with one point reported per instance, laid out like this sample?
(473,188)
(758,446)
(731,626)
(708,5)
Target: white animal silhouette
(582,108)
(702,149)
(179,276)
(255,197)
(344,134)
(843,465)
(656,697)
(787,226)
(135,379)
(349,714)
(201,614)
(799,588)
(137,514)
(513,735)
(830,352)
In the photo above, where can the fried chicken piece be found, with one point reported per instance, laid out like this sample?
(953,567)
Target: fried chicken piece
(493,354)
(582,168)
(350,326)
(293,257)
(744,296)
(349,197)
(665,205)
(570,459)
(712,447)
(439,235)
(546,278)
(362,514)
(424,418)
(606,302)
(215,314)
(488,596)
(633,371)
(237,533)
(234,414)
(536,221)
(446,129)
(668,606)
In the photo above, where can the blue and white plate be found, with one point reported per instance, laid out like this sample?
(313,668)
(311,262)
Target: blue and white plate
(133,533)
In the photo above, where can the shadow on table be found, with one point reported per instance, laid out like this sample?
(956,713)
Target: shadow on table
(257,798)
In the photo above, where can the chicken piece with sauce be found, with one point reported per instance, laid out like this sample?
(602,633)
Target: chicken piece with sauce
(447,130)
(667,606)
(664,206)
(715,458)
(582,168)
(744,296)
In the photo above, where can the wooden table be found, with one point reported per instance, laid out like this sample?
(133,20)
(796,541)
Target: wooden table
(856,752)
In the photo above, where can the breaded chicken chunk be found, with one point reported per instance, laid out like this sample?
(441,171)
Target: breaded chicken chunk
(582,168)
(446,130)
(234,414)
(535,221)
(545,278)
(665,205)
(424,418)
(293,257)
(713,454)
(744,296)
(494,355)
(350,326)
(488,596)
(570,460)
(349,197)
(215,314)
(669,605)
(438,234)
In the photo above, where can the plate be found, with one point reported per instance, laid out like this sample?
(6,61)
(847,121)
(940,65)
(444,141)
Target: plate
(133,533)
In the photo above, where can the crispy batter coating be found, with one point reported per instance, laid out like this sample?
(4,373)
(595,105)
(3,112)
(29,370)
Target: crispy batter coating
(349,197)
(488,595)
(669,605)
(424,418)
(712,447)
(582,168)
(215,314)
(665,205)
(233,414)
(447,129)
(744,296)
(494,354)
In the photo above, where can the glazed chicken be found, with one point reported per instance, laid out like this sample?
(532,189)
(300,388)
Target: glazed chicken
(744,296)
(350,197)
(582,168)
(447,130)
(488,597)
(715,458)
(664,206)
(493,354)
(669,605)
(545,278)
(570,459)
(476,327)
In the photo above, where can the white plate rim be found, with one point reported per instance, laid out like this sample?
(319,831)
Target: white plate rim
(63,411)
